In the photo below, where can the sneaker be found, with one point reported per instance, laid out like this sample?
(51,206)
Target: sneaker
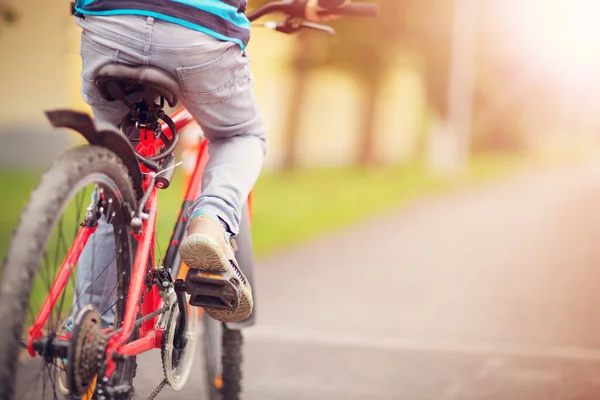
(208,250)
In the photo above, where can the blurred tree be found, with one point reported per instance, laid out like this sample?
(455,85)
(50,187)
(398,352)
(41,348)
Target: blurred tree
(300,65)
(500,105)
(366,48)
(499,82)
(429,33)
(7,14)
(369,48)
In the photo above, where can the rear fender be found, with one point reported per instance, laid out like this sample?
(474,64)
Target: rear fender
(103,135)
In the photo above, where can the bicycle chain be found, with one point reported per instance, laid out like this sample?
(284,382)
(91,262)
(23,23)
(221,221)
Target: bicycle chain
(139,323)
(156,391)
(153,314)
(164,382)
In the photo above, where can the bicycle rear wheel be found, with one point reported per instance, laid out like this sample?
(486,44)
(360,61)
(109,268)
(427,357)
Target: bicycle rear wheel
(223,360)
(48,225)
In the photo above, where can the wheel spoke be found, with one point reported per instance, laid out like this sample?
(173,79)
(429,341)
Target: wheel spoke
(44,380)
(111,307)
(44,270)
(78,207)
(57,257)
(93,263)
(31,315)
(61,245)
(77,293)
(53,372)
(105,298)
(160,257)
(61,303)
(109,211)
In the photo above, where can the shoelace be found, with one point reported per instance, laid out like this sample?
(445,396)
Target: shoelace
(238,273)
(234,246)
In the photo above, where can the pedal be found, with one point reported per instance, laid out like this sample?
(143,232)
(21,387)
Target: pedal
(211,290)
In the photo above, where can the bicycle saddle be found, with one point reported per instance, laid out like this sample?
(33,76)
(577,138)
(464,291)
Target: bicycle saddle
(118,81)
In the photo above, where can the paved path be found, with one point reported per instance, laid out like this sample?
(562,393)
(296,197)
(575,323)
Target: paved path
(487,294)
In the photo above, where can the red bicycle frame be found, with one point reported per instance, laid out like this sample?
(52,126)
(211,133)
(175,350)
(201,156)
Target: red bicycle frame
(149,336)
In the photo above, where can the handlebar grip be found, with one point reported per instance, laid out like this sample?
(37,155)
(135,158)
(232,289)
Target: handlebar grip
(357,10)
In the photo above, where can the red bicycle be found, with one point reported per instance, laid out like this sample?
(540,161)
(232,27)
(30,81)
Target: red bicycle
(54,338)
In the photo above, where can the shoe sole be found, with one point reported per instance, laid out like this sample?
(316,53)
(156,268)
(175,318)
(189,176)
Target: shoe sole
(201,252)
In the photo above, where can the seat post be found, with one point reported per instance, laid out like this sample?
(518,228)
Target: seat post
(146,114)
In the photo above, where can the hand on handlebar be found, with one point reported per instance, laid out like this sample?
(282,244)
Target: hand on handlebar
(315,13)
(311,11)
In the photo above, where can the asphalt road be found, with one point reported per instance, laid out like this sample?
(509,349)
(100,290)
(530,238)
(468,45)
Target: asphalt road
(491,293)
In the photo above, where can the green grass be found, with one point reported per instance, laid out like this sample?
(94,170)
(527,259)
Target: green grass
(16,186)
(291,208)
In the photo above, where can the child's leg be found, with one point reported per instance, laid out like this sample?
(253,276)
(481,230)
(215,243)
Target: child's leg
(237,144)
(96,279)
(216,88)
(232,123)
(96,272)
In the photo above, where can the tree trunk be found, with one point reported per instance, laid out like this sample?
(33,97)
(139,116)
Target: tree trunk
(296,101)
(367,152)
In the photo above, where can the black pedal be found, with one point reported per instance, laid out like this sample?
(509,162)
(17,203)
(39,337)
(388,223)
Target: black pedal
(211,290)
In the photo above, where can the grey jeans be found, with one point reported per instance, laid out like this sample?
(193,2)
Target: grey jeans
(216,88)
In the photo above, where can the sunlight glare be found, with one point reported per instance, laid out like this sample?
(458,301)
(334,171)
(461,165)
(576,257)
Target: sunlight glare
(563,33)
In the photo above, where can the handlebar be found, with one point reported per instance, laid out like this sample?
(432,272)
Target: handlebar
(369,10)
(295,9)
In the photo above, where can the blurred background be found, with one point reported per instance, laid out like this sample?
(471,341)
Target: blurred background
(472,125)
(439,83)
(428,91)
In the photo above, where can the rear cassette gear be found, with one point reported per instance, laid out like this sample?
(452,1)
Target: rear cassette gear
(87,351)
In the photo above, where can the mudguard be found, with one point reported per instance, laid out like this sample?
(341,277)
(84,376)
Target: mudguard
(103,135)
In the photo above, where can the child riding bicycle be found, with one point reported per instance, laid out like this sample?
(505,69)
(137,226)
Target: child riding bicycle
(203,45)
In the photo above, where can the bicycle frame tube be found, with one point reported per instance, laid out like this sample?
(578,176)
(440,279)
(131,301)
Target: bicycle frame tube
(140,268)
(182,119)
(192,193)
(149,336)
(35,332)
(144,261)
